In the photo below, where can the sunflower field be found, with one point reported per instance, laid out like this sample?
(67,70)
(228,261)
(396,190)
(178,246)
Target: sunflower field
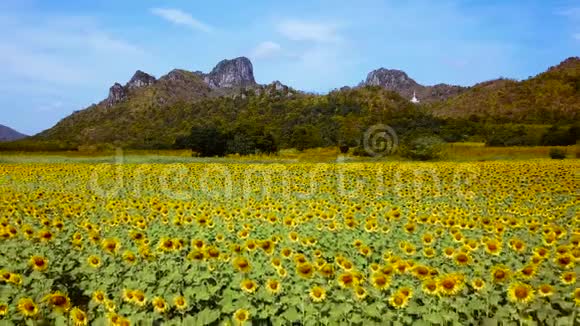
(277,244)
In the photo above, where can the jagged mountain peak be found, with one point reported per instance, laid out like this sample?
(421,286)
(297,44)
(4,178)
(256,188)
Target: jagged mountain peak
(140,79)
(237,72)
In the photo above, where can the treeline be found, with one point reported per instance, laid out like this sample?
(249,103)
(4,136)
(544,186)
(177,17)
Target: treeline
(265,122)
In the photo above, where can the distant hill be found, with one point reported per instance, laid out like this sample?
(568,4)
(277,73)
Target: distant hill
(9,134)
(549,97)
(398,81)
(150,112)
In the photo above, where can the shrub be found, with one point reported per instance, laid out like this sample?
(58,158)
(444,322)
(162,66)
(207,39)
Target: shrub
(423,148)
(557,154)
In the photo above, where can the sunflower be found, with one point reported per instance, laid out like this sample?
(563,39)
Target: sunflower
(449,252)
(388,270)
(517,245)
(276,262)
(500,273)
(78,317)
(27,307)
(346,280)
(429,252)
(493,247)
(398,300)
(282,272)
(576,296)
(248,286)
(428,239)
(273,286)
(3,309)
(430,287)
(242,264)
(286,253)
(326,270)
(127,295)
(360,292)
(450,284)
(159,305)
(45,235)
(111,246)
(520,292)
(528,272)
(545,290)
(99,296)
(462,258)
(568,278)
(305,270)
(139,298)
(15,279)
(110,305)
(180,303)
(129,257)
(39,263)
(241,316)
(317,294)
(94,261)
(58,301)
(420,271)
(564,261)
(478,284)
(380,281)
(405,291)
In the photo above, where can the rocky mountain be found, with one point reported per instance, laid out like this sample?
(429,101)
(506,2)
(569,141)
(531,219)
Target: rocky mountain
(9,134)
(550,96)
(238,72)
(398,81)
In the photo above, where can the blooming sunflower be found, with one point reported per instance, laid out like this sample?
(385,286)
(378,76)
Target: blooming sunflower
(462,258)
(3,309)
(500,273)
(58,301)
(545,290)
(99,296)
(478,284)
(493,247)
(78,317)
(317,294)
(568,278)
(242,264)
(39,263)
(346,280)
(159,305)
(94,261)
(248,286)
(305,270)
(111,246)
(139,298)
(241,316)
(360,292)
(27,307)
(380,281)
(273,286)
(564,261)
(528,272)
(398,300)
(520,292)
(405,291)
(430,287)
(576,296)
(450,284)
(180,303)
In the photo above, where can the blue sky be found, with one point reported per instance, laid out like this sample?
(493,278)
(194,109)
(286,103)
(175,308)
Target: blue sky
(60,56)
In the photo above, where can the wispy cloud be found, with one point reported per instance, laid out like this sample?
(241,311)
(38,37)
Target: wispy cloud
(267,49)
(299,30)
(573,12)
(180,17)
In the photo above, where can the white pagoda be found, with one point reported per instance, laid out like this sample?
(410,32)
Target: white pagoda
(414,99)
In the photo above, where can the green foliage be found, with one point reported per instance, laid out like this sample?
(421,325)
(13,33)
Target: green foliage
(557,154)
(423,148)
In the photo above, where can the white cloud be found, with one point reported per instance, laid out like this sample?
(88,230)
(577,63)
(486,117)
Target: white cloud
(180,17)
(576,36)
(298,30)
(266,49)
(573,13)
